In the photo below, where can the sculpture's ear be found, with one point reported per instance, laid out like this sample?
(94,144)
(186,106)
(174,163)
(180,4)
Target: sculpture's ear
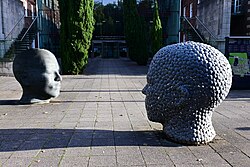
(184,95)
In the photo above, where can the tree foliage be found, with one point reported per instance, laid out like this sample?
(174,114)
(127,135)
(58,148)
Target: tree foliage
(135,33)
(109,19)
(98,12)
(156,34)
(77,25)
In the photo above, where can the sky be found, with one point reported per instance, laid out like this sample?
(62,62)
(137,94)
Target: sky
(105,2)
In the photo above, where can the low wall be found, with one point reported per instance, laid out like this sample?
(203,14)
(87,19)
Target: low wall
(6,68)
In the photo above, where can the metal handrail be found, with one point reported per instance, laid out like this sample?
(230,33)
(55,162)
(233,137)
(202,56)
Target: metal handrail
(193,28)
(14,27)
(28,28)
(206,28)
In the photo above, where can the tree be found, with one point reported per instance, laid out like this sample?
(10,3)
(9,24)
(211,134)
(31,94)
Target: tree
(145,9)
(135,33)
(130,24)
(77,25)
(109,19)
(156,34)
(142,46)
(98,12)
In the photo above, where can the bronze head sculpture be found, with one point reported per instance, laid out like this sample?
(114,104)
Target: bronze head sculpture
(185,83)
(37,71)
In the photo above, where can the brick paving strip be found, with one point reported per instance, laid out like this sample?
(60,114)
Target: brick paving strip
(99,119)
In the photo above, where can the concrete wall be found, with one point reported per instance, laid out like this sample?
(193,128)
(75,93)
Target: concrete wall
(6,68)
(216,15)
(11,13)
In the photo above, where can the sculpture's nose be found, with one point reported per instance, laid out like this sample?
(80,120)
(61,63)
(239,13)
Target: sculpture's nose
(144,90)
(58,77)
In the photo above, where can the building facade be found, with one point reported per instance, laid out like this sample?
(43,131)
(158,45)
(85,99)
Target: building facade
(210,19)
(215,16)
(10,27)
(17,17)
(49,24)
(240,18)
(170,18)
(225,24)
(27,24)
(188,19)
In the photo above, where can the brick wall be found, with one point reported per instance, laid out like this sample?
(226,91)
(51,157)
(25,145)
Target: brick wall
(186,4)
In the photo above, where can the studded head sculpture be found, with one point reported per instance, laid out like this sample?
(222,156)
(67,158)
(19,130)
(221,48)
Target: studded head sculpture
(185,83)
(37,71)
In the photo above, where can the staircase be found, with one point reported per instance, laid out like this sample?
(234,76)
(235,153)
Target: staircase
(191,32)
(192,36)
(23,41)
(15,44)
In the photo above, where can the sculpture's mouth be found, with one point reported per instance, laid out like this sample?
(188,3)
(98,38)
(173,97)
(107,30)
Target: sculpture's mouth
(154,113)
(55,86)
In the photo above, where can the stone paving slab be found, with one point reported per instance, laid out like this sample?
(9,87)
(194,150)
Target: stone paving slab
(99,119)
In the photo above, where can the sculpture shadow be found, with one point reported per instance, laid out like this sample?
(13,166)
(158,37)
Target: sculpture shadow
(10,102)
(34,139)
(243,128)
(103,91)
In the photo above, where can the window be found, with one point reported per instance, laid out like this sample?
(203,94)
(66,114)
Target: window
(236,6)
(191,10)
(32,10)
(46,2)
(184,11)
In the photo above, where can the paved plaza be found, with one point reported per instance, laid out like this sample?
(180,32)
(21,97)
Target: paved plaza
(99,119)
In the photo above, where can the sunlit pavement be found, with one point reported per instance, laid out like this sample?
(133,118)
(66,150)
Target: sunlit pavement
(99,119)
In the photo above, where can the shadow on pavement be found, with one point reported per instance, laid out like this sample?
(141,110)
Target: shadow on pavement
(92,90)
(243,128)
(9,102)
(33,139)
(120,66)
(238,95)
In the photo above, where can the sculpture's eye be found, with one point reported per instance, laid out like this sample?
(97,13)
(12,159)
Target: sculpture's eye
(149,80)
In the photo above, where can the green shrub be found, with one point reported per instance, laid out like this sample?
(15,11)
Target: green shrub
(156,34)
(77,25)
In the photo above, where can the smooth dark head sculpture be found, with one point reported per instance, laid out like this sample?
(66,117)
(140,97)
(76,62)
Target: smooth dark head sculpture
(185,83)
(37,71)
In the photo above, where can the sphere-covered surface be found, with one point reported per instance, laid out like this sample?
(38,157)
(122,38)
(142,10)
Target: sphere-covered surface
(185,82)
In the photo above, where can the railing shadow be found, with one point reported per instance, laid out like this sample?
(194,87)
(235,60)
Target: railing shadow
(243,128)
